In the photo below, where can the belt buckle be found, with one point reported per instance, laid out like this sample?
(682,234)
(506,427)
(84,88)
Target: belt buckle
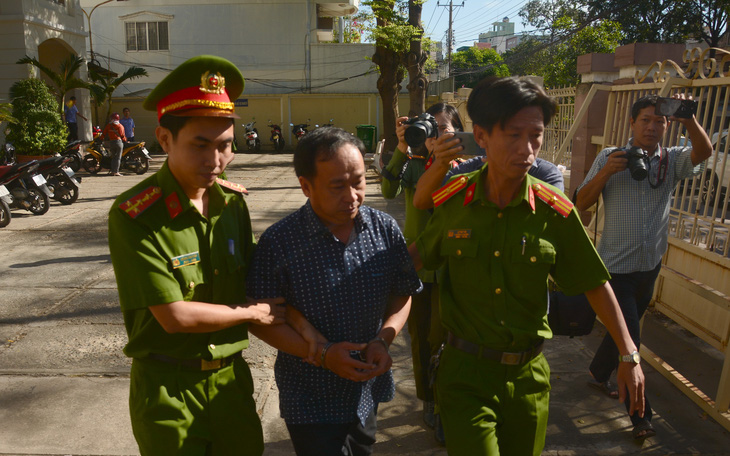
(210,365)
(511,359)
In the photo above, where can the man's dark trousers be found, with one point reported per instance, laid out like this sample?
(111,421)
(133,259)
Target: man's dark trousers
(633,292)
(346,439)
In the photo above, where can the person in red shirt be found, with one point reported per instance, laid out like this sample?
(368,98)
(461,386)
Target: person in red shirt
(114,140)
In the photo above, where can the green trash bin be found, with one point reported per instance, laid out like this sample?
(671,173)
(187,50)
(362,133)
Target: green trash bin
(367,134)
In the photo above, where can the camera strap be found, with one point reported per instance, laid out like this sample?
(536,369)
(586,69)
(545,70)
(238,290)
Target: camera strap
(663,168)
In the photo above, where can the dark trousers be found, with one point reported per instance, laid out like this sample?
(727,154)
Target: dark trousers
(633,292)
(427,334)
(73,131)
(346,439)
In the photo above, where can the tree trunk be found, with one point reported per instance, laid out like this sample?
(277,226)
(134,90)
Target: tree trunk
(414,62)
(391,76)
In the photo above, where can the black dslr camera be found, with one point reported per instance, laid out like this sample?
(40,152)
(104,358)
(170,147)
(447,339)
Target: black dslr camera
(419,129)
(638,162)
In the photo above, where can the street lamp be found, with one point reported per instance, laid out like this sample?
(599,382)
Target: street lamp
(88,20)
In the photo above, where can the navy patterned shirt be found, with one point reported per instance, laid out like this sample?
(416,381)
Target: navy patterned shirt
(343,290)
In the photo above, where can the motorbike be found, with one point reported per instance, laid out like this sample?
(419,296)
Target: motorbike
(60,179)
(276,137)
(252,136)
(134,157)
(73,150)
(5,202)
(26,188)
(330,124)
(299,130)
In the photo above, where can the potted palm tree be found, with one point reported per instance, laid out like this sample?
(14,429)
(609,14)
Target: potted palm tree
(38,131)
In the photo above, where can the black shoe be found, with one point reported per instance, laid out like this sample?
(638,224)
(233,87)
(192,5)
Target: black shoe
(428,414)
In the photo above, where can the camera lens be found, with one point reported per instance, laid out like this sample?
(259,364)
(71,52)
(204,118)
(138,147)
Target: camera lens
(417,134)
(637,163)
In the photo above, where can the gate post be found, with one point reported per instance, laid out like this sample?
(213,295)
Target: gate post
(594,69)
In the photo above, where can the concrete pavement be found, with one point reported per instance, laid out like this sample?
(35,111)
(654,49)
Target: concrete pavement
(64,379)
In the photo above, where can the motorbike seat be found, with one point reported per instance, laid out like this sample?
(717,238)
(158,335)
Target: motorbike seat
(52,162)
(7,170)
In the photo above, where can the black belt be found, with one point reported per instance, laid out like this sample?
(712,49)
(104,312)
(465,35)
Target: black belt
(480,351)
(196,364)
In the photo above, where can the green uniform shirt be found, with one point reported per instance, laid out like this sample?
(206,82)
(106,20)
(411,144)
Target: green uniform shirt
(169,232)
(493,292)
(416,219)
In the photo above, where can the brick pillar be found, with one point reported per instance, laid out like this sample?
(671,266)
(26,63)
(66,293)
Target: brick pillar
(594,69)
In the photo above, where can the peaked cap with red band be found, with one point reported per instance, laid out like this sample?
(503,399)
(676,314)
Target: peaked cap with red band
(204,86)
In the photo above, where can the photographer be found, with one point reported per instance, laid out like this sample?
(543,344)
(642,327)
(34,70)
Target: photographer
(401,175)
(636,225)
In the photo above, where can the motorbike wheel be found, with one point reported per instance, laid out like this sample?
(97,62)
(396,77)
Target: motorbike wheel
(91,164)
(67,197)
(142,165)
(280,145)
(257,146)
(4,214)
(40,204)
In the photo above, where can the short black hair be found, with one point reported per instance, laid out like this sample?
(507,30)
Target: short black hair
(176,123)
(641,103)
(125,109)
(496,100)
(321,144)
(72,98)
(450,112)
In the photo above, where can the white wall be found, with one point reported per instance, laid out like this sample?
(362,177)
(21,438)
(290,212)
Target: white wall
(269,42)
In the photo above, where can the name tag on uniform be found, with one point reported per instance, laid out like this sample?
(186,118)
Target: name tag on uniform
(459,234)
(184,260)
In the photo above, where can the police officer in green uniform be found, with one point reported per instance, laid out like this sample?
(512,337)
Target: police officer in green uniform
(181,245)
(500,233)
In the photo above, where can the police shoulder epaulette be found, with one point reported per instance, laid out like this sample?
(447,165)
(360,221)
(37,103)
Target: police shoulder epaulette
(553,198)
(449,190)
(232,186)
(141,201)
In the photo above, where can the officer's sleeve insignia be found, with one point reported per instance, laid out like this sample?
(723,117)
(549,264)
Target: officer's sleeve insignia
(141,201)
(554,199)
(173,205)
(230,185)
(449,190)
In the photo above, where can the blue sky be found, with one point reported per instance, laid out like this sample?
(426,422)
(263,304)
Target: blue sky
(475,17)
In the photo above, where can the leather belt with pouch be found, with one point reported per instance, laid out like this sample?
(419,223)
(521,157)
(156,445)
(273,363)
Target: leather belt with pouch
(480,351)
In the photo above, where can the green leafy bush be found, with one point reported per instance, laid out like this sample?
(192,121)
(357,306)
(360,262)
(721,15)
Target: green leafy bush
(38,129)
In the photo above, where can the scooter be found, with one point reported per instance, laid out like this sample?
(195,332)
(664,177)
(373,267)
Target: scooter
(276,137)
(73,150)
(252,136)
(27,189)
(134,157)
(299,130)
(330,124)
(5,201)
(60,179)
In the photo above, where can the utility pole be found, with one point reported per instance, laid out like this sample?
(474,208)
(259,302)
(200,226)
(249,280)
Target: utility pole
(451,33)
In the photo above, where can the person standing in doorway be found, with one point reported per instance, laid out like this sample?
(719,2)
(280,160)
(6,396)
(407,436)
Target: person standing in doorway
(70,112)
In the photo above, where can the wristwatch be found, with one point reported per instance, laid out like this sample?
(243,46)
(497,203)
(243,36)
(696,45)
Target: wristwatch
(633,357)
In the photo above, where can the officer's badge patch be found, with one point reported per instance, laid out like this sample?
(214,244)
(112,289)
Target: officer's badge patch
(184,260)
(459,234)
(554,199)
(173,205)
(470,194)
(235,187)
(140,202)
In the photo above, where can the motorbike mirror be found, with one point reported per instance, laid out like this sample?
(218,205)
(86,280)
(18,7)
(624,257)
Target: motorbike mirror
(291,124)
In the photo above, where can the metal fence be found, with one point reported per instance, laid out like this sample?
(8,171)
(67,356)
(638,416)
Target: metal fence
(557,131)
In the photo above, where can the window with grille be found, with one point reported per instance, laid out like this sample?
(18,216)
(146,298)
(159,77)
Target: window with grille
(147,36)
